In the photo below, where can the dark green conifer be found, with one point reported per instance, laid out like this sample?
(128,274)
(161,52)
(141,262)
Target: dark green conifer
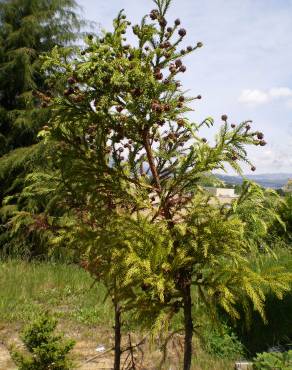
(28,30)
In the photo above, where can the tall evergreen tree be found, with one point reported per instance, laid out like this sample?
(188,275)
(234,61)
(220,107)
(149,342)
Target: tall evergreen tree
(130,165)
(28,30)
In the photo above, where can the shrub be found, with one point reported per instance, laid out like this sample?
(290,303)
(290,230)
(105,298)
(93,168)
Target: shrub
(273,361)
(223,343)
(47,351)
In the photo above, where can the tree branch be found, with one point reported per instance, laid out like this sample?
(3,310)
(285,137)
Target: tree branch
(150,158)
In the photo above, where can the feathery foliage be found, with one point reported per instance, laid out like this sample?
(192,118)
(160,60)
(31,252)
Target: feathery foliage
(129,165)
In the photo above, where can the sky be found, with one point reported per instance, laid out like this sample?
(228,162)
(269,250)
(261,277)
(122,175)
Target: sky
(244,69)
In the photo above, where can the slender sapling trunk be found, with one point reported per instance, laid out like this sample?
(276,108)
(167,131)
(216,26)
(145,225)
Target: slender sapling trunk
(188,327)
(117,363)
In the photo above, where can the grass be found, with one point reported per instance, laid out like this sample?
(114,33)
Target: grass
(26,289)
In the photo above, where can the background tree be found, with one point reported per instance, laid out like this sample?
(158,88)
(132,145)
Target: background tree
(277,234)
(257,335)
(130,164)
(28,30)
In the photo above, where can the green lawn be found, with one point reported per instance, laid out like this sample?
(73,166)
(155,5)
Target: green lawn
(65,290)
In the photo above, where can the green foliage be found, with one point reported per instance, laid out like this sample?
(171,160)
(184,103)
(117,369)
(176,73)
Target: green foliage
(273,361)
(27,211)
(223,343)
(277,233)
(128,165)
(28,30)
(11,166)
(259,336)
(48,351)
(258,209)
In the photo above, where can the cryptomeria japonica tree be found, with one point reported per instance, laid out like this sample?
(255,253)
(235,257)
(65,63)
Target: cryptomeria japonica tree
(129,163)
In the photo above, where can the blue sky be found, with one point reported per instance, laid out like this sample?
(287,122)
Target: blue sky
(244,69)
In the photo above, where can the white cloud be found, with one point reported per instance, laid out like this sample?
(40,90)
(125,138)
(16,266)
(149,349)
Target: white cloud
(280,92)
(274,159)
(257,97)
(253,97)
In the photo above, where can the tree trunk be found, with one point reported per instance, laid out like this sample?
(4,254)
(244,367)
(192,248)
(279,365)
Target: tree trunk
(117,363)
(188,326)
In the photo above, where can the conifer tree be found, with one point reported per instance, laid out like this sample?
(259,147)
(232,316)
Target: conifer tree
(130,164)
(28,30)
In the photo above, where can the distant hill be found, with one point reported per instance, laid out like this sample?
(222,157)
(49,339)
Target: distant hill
(267,180)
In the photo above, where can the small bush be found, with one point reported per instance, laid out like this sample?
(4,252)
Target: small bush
(222,343)
(273,361)
(47,351)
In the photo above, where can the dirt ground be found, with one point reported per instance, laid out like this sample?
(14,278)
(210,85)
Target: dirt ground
(5,360)
(84,353)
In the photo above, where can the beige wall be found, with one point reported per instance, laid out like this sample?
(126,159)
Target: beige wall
(222,192)
(288,187)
